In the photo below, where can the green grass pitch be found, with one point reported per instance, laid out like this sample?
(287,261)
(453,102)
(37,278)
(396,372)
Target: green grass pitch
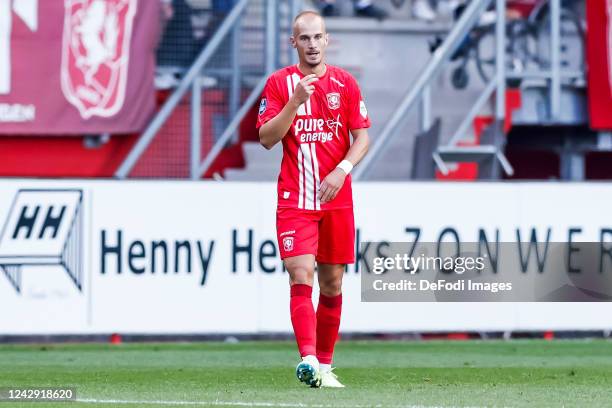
(261,374)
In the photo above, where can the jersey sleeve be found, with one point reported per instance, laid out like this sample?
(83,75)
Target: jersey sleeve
(272,102)
(358,117)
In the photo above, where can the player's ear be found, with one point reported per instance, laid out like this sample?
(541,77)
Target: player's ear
(292,41)
(326,39)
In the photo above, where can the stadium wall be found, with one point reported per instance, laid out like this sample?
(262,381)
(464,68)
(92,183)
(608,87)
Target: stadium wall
(172,257)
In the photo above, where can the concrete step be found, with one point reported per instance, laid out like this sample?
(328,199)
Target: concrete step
(256,153)
(534,110)
(456,154)
(261,164)
(245,175)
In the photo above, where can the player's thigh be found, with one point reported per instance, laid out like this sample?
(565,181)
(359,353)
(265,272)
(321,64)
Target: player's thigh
(297,232)
(337,237)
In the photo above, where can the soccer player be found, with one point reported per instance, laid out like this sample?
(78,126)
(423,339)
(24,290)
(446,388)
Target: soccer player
(311,107)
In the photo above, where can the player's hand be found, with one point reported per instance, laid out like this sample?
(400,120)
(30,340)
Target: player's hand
(304,89)
(331,185)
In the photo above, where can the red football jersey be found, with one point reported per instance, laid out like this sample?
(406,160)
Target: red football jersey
(319,137)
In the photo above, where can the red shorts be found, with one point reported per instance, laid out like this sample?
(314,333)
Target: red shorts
(327,234)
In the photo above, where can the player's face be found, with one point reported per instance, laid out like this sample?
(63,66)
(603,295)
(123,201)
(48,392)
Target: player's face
(310,40)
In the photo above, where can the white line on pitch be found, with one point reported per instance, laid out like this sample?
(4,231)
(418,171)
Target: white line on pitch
(238,404)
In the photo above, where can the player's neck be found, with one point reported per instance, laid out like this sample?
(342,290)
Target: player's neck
(318,70)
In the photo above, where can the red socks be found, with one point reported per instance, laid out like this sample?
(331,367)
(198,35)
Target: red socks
(328,324)
(315,335)
(303,318)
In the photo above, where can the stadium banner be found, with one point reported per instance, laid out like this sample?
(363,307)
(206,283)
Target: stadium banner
(163,257)
(77,66)
(599,61)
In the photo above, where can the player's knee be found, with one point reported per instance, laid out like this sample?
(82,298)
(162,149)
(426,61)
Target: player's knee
(300,274)
(331,287)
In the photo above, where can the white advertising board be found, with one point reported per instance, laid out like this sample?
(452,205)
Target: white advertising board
(163,257)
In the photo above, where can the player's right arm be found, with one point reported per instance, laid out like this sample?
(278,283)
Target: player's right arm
(272,132)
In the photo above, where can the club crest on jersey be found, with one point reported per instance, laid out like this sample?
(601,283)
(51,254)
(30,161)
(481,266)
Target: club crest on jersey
(288,244)
(333,100)
(262,106)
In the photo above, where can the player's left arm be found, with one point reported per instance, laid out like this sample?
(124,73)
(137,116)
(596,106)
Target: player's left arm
(333,181)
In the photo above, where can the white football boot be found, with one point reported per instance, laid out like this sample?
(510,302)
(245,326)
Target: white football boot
(330,380)
(307,371)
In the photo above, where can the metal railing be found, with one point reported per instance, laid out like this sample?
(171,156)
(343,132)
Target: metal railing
(185,84)
(192,81)
(421,91)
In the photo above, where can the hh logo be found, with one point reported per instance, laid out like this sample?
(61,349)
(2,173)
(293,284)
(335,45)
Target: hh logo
(43,227)
(288,244)
(333,100)
(95,54)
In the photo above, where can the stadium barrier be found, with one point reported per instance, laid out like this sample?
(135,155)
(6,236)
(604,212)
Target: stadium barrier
(163,257)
